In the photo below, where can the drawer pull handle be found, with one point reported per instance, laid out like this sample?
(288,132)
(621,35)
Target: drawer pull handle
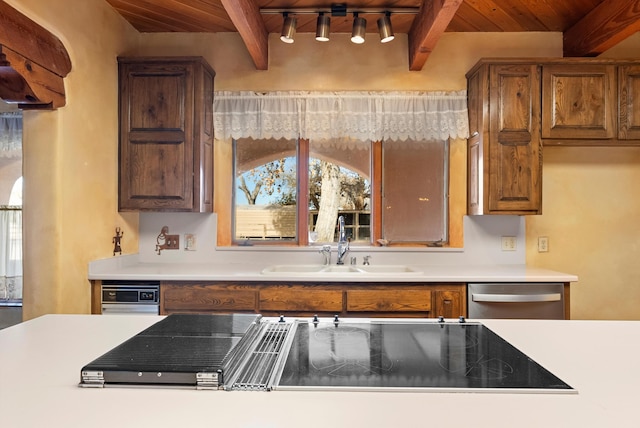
(516,298)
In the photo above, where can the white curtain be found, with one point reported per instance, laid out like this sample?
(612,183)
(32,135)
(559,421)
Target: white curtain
(323,116)
(10,253)
(10,134)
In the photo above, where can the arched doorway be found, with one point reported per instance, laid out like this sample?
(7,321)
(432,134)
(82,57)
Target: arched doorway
(10,215)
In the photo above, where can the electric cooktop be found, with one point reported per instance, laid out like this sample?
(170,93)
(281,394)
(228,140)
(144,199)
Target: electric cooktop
(446,356)
(182,349)
(247,352)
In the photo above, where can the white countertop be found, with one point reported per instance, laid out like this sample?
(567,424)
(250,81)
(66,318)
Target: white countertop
(129,269)
(40,362)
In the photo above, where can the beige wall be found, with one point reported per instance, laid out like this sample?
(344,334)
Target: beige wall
(70,160)
(591,214)
(71,154)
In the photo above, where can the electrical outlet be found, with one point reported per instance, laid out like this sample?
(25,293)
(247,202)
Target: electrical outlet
(508,243)
(543,244)
(172,242)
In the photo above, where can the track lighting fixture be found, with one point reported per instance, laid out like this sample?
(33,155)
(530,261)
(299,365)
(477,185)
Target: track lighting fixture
(384,28)
(340,10)
(288,28)
(322,27)
(359,29)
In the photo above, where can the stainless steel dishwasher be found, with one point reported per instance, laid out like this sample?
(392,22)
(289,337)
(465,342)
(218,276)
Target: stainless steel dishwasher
(516,300)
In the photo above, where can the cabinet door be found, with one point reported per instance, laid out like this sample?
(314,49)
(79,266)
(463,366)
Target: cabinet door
(203,175)
(300,298)
(392,300)
(629,102)
(156,136)
(450,301)
(476,107)
(207,298)
(578,101)
(514,163)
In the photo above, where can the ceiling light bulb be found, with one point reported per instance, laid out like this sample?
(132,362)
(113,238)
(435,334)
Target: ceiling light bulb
(359,29)
(322,28)
(288,29)
(384,28)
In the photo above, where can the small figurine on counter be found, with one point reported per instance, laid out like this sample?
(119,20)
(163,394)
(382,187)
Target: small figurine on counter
(116,241)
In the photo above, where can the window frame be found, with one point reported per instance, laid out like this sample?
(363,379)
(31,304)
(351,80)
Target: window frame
(224,179)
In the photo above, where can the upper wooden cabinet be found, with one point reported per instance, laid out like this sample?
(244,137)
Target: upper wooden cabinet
(166,134)
(629,102)
(517,105)
(578,101)
(590,102)
(504,151)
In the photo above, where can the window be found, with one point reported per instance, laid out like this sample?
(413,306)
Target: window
(282,187)
(410,191)
(265,190)
(414,185)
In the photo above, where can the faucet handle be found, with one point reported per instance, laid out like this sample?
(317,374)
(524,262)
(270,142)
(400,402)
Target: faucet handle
(326,253)
(365,260)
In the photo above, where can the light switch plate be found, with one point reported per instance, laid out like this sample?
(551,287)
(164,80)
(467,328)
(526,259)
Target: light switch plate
(189,242)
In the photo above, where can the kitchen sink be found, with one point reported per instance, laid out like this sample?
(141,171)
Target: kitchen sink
(339,270)
(389,269)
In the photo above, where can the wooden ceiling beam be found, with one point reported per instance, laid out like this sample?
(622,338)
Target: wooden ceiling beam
(28,84)
(33,62)
(23,35)
(245,15)
(605,26)
(429,25)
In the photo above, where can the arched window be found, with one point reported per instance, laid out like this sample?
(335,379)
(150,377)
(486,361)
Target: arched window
(15,198)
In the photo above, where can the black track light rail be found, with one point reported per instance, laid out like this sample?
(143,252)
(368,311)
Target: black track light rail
(332,11)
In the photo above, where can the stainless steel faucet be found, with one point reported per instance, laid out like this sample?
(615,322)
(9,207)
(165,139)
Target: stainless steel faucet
(343,243)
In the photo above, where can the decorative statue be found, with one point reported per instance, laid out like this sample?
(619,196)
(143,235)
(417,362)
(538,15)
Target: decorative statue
(116,241)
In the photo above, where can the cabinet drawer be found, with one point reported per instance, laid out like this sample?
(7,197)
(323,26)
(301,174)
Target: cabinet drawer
(389,300)
(292,299)
(194,298)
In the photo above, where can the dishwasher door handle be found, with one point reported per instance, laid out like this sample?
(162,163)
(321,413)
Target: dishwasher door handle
(516,298)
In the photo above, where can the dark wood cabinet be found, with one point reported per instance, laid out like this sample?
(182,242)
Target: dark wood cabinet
(629,102)
(578,101)
(207,297)
(590,102)
(505,149)
(307,299)
(166,134)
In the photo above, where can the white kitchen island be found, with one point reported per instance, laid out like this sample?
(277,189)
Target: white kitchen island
(40,362)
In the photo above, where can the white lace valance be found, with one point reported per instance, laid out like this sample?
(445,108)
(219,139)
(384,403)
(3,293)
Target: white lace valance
(10,134)
(365,116)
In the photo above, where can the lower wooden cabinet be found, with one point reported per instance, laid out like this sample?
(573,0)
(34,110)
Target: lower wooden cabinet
(307,299)
(402,300)
(205,297)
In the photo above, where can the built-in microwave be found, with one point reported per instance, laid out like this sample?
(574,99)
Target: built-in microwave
(130,297)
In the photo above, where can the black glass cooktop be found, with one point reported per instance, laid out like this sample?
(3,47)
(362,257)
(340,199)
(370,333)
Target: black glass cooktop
(172,351)
(410,355)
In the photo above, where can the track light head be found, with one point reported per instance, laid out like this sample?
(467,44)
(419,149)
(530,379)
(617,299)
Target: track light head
(288,28)
(322,27)
(359,29)
(384,28)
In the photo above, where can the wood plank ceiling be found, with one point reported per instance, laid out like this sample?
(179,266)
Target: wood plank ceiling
(589,27)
